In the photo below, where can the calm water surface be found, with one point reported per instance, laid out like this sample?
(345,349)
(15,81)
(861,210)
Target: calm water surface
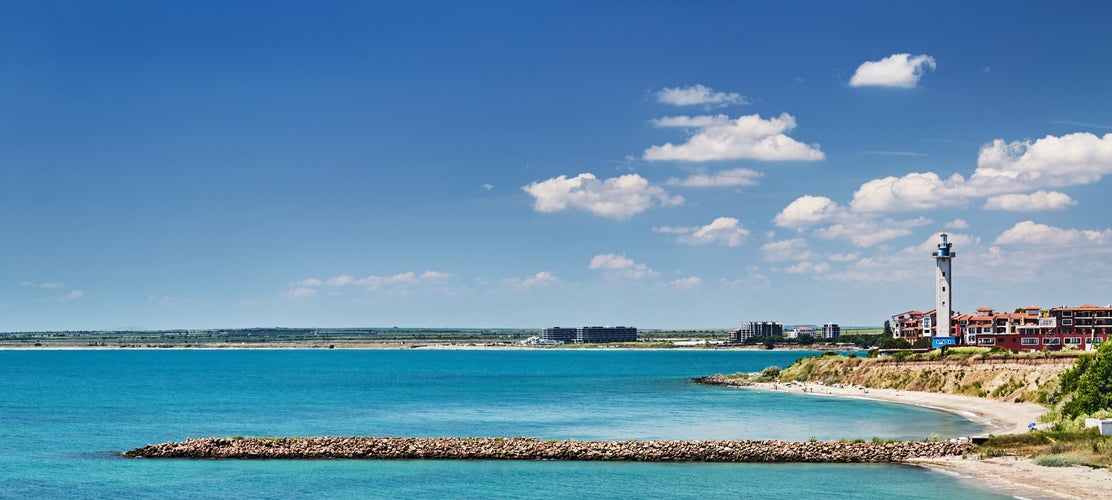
(68,414)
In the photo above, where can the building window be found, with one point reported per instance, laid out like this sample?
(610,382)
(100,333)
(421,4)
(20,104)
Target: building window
(1029,341)
(1051,341)
(1066,314)
(1073,340)
(986,341)
(1067,322)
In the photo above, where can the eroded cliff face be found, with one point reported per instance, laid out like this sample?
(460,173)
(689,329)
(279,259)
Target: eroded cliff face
(1029,380)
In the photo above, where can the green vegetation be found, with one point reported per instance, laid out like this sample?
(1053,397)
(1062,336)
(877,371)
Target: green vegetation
(769,374)
(1087,387)
(1054,448)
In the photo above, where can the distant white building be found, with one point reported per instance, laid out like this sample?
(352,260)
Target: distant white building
(800,330)
(757,329)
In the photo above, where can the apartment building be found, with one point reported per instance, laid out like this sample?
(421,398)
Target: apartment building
(1029,329)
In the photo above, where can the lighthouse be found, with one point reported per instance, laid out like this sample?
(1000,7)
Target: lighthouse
(942,292)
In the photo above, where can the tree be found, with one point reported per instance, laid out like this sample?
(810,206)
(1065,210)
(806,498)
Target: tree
(1090,381)
(888,328)
(922,343)
(806,339)
(891,343)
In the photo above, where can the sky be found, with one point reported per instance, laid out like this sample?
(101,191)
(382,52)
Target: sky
(659,164)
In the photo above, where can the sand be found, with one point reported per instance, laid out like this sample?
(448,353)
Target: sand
(1001,417)
(1016,476)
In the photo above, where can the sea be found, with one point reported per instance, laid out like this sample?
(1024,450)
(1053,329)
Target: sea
(67,415)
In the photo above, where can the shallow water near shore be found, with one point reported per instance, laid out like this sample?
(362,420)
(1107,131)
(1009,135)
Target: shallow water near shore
(68,414)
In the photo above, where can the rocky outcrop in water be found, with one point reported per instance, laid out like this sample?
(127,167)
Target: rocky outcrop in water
(520,448)
(724,380)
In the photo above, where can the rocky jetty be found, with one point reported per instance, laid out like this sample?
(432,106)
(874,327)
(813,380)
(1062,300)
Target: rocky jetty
(520,448)
(724,380)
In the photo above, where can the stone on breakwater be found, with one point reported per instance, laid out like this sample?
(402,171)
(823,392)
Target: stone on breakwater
(720,379)
(521,448)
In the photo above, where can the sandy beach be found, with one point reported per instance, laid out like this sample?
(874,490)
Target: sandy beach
(1001,417)
(1016,476)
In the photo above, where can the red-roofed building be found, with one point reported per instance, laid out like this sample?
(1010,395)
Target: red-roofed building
(1032,329)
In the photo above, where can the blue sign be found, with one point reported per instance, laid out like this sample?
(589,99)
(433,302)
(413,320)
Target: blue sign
(937,342)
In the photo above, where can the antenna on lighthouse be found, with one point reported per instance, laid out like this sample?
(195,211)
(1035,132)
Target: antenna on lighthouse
(942,293)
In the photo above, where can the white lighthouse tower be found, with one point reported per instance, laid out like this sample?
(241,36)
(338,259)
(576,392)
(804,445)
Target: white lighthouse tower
(942,292)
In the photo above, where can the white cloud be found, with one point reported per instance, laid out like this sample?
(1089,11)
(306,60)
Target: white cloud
(724,178)
(74,295)
(615,198)
(914,191)
(540,279)
(748,136)
(896,70)
(1019,166)
(44,285)
(807,211)
(621,265)
(957,224)
(809,267)
(435,275)
(299,293)
(691,121)
(1031,233)
(374,282)
(341,280)
(1037,201)
(723,230)
(487,186)
(400,283)
(905,266)
(687,283)
(842,257)
(699,94)
(785,250)
(866,232)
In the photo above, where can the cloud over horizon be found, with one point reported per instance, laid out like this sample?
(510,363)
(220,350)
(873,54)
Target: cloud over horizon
(620,265)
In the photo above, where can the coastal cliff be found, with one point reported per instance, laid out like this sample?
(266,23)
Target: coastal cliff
(519,448)
(1014,379)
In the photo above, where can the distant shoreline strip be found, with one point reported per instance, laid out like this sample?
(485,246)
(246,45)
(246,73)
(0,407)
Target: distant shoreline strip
(523,448)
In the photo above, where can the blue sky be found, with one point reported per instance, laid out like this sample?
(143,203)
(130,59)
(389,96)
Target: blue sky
(526,164)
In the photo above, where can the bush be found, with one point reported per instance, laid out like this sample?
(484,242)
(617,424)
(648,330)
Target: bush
(1090,383)
(769,374)
(1059,460)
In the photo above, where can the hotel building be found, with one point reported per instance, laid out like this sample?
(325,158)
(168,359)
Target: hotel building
(757,329)
(591,334)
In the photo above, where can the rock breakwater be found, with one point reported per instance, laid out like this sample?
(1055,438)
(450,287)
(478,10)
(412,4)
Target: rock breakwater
(521,448)
(723,380)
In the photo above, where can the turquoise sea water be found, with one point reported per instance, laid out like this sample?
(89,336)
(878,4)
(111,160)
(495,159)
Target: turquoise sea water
(67,415)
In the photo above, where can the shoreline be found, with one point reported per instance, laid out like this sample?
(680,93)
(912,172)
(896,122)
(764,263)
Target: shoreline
(396,346)
(1002,417)
(1011,475)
